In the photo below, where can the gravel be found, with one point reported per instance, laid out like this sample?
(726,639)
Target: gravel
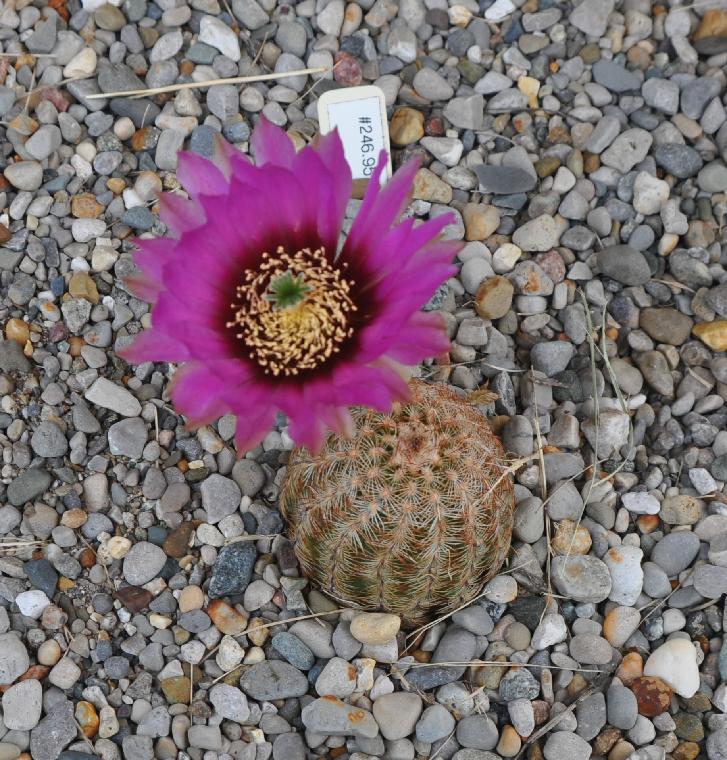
(583,148)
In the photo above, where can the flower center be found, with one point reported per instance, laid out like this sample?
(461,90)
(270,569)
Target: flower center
(293,312)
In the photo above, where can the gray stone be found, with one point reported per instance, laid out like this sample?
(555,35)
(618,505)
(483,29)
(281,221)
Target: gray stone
(293,650)
(143,562)
(332,717)
(28,485)
(504,180)
(676,551)
(624,264)
(127,437)
(466,112)
(677,159)
(627,150)
(249,476)
(581,578)
(614,77)
(54,732)
(108,395)
(12,358)
(622,707)
(564,744)
(273,679)
(477,732)
(220,497)
(591,17)
(432,85)
(661,94)
(397,714)
(233,569)
(24,175)
(13,658)
(435,723)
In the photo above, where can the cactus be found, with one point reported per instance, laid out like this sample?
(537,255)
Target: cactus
(411,515)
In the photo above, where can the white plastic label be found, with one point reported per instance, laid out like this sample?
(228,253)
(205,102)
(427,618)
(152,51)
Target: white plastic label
(359,114)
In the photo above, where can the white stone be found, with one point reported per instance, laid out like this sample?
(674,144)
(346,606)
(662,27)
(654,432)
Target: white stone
(82,64)
(229,702)
(214,32)
(650,193)
(675,662)
(108,395)
(641,503)
(64,674)
(499,10)
(627,577)
(551,630)
(32,603)
(22,705)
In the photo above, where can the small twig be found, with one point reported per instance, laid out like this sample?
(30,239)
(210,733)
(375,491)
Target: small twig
(207,83)
(492,664)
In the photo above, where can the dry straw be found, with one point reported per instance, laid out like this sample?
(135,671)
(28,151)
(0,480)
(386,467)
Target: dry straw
(207,83)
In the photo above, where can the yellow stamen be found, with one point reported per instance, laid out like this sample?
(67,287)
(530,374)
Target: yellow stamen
(290,340)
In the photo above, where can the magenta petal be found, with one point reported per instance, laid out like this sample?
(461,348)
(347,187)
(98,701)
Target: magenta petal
(152,346)
(200,390)
(179,214)
(272,145)
(327,187)
(143,288)
(199,176)
(425,334)
(252,428)
(381,208)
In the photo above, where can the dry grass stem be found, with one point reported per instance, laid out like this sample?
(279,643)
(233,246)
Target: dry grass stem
(491,664)
(207,83)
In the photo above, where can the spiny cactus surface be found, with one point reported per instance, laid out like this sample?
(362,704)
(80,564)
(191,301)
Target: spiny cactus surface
(411,515)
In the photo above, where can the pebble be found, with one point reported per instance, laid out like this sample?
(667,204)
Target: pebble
(274,679)
(233,570)
(675,663)
(375,627)
(583,578)
(143,563)
(624,264)
(330,716)
(14,659)
(397,714)
(22,705)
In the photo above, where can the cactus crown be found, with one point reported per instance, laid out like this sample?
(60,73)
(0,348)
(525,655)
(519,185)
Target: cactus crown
(405,516)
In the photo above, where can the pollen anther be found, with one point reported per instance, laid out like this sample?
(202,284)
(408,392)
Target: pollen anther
(290,340)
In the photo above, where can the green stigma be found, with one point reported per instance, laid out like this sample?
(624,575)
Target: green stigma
(287,290)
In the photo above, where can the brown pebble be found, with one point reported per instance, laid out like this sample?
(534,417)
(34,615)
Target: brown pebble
(605,741)
(631,668)
(85,206)
(176,689)
(407,126)
(226,619)
(134,598)
(177,542)
(87,558)
(494,297)
(82,286)
(653,696)
(74,518)
(17,330)
(686,751)
(87,718)
(116,185)
(5,234)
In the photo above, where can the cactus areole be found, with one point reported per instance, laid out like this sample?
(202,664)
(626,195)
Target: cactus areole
(412,515)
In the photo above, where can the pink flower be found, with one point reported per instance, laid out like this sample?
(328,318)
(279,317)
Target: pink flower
(252,295)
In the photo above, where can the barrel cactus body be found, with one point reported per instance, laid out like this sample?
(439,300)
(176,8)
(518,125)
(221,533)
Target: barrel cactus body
(411,515)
